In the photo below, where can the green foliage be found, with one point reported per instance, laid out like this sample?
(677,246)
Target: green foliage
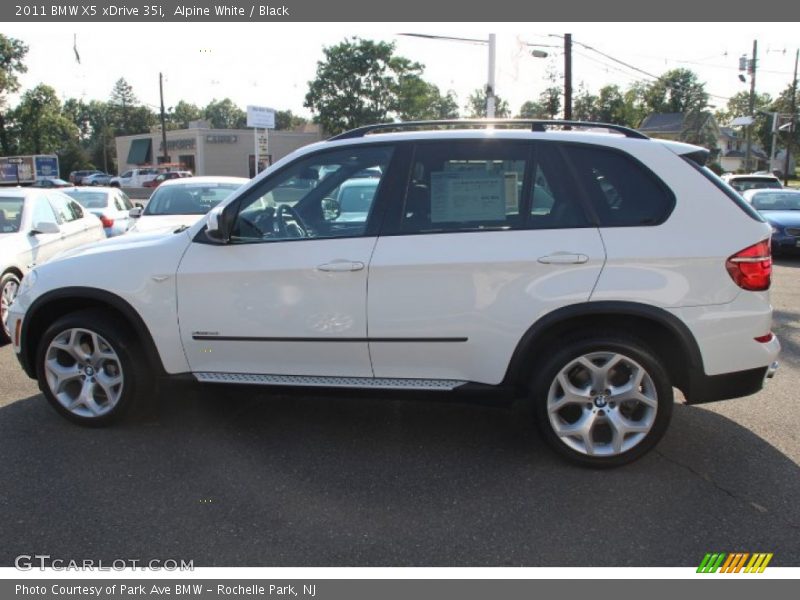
(12,54)
(676,91)
(182,114)
(224,114)
(287,120)
(476,106)
(39,125)
(360,82)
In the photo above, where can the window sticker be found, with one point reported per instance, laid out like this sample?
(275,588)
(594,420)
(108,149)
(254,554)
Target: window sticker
(467,196)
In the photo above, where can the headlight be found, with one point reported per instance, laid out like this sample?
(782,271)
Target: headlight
(28,282)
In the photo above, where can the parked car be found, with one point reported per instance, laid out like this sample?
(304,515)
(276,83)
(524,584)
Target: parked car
(96,179)
(76,177)
(51,183)
(753,181)
(111,205)
(165,177)
(781,209)
(591,303)
(35,225)
(134,177)
(183,201)
(354,199)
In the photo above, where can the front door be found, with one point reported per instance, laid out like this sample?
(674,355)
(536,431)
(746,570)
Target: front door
(287,295)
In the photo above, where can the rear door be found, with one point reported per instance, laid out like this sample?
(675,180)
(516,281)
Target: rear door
(492,235)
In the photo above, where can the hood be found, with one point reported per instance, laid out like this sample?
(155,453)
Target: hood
(163,223)
(116,244)
(782,218)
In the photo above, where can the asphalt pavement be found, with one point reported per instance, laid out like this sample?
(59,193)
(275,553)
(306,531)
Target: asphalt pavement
(238,477)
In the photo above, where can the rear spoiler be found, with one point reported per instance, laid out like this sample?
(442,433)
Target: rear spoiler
(697,154)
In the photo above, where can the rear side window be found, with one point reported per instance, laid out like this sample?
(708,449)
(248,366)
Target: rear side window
(465,186)
(622,192)
(555,199)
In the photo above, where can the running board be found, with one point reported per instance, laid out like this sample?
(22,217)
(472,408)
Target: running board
(384,383)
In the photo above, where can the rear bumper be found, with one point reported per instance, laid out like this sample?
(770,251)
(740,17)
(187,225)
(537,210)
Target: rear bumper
(712,388)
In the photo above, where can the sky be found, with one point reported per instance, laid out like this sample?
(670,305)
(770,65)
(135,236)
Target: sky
(271,65)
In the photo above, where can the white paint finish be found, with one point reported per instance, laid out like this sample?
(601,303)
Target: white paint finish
(486,286)
(682,261)
(124,266)
(725,334)
(274,289)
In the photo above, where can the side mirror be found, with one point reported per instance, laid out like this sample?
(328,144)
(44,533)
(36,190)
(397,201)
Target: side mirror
(330,209)
(45,227)
(135,213)
(216,225)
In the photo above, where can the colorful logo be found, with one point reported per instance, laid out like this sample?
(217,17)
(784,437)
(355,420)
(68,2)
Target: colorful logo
(735,562)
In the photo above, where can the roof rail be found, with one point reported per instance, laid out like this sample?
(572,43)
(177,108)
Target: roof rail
(533,124)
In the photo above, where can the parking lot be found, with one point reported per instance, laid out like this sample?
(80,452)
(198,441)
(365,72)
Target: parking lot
(235,477)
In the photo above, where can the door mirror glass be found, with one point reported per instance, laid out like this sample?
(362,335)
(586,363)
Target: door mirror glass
(45,227)
(330,209)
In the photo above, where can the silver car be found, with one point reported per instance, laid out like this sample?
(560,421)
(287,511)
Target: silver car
(111,205)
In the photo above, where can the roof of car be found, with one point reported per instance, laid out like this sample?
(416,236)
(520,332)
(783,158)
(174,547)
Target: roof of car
(201,180)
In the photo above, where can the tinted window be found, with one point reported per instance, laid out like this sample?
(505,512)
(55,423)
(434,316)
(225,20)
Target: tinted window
(465,186)
(555,199)
(10,214)
(621,190)
(776,201)
(329,194)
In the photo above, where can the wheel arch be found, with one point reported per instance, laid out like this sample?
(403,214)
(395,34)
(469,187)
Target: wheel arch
(669,337)
(55,304)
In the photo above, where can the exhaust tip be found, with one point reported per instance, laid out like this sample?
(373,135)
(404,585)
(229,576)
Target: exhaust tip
(771,370)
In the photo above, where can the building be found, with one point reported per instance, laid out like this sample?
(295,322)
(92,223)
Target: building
(733,151)
(206,151)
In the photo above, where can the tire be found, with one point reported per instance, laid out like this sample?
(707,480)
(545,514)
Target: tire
(9,286)
(91,368)
(602,400)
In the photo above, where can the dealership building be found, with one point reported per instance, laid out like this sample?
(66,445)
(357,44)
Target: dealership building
(206,151)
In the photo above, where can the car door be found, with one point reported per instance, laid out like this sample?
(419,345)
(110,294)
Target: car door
(493,234)
(40,246)
(70,219)
(287,294)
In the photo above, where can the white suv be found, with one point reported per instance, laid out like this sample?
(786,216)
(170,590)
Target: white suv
(572,268)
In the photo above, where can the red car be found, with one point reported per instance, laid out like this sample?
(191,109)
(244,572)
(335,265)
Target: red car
(154,183)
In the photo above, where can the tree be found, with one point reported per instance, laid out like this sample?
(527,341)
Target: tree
(550,100)
(12,53)
(739,106)
(40,127)
(182,114)
(584,104)
(357,83)
(676,91)
(419,100)
(224,114)
(476,106)
(532,110)
(286,119)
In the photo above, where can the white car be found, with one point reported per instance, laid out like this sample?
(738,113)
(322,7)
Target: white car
(111,205)
(182,202)
(35,225)
(135,177)
(571,269)
(752,181)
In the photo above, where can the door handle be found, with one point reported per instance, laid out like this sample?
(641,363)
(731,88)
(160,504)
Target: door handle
(341,266)
(564,258)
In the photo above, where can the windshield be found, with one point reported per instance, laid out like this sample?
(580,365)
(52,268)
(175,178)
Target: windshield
(741,184)
(10,214)
(190,199)
(89,199)
(776,201)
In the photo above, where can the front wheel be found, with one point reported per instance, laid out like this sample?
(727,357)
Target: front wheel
(9,286)
(602,400)
(91,369)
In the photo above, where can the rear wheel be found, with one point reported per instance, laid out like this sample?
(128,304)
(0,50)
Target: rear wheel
(602,400)
(91,369)
(9,286)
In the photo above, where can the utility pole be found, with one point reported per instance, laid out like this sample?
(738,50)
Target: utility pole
(793,125)
(165,156)
(752,70)
(490,102)
(567,76)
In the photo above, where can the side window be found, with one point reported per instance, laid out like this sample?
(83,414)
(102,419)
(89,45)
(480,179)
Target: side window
(127,174)
(555,199)
(622,191)
(125,201)
(61,206)
(42,212)
(465,186)
(329,194)
(77,211)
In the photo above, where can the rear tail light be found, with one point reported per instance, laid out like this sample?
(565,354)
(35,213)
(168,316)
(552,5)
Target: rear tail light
(751,268)
(106,221)
(764,339)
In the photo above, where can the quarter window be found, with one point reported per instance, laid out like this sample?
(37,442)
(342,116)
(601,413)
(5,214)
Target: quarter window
(621,191)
